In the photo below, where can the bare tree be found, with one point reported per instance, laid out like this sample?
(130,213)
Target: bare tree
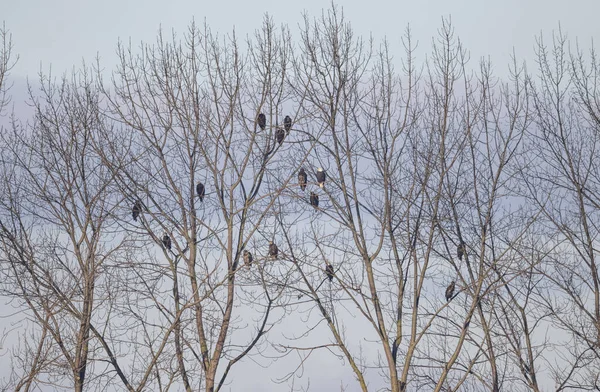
(564,181)
(7,61)
(57,235)
(431,225)
(416,167)
(189,147)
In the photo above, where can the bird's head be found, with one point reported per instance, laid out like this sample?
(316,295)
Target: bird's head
(320,169)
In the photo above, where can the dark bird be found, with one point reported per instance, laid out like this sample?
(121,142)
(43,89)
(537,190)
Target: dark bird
(329,271)
(287,124)
(136,210)
(273,250)
(450,290)
(302,179)
(321,177)
(247,258)
(460,250)
(314,199)
(166,240)
(262,121)
(200,191)
(279,135)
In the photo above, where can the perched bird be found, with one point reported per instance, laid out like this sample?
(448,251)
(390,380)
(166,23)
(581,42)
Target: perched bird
(136,210)
(287,124)
(329,271)
(460,250)
(262,121)
(450,290)
(247,258)
(314,199)
(279,135)
(166,240)
(273,250)
(321,177)
(200,191)
(302,179)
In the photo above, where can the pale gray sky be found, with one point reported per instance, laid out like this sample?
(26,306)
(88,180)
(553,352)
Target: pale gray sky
(63,32)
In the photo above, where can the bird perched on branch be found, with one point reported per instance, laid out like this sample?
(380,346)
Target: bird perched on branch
(461,250)
(321,177)
(262,121)
(273,250)
(450,290)
(287,124)
(166,241)
(302,179)
(329,271)
(136,210)
(314,199)
(247,258)
(279,135)
(200,191)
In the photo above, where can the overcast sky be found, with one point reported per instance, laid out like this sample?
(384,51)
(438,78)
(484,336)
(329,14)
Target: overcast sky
(63,32)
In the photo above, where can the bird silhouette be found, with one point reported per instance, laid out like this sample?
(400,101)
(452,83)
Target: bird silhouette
(450,290)
(314,200)
(136,210)
(200,190)
(262,121)
(273,250)
(302,179)
(166,240)
(287,124)
(329,272)
(279,135)
(248,258)
(321,177)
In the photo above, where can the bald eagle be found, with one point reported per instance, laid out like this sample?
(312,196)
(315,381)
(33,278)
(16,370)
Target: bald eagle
(273,250)
(200,191)
(247,258)
(287,124)
(314,199)
(136,210)
(302,178)
(279,135)
(262,121)
(460,250)
(321,177)
(450,290)
(329,271)
(166,240)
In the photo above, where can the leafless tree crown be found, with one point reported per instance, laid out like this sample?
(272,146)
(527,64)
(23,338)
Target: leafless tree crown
(272,202)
